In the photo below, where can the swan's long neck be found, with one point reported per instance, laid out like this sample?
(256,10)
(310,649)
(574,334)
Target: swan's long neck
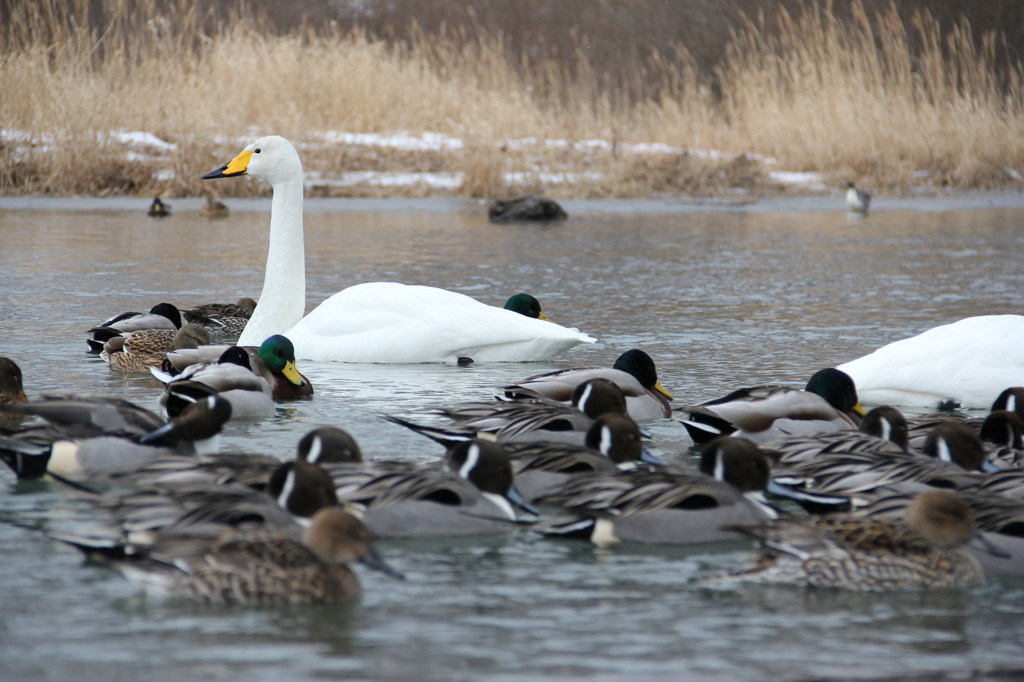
(283,301)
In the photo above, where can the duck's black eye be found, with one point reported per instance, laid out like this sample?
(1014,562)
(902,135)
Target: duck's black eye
(257,151)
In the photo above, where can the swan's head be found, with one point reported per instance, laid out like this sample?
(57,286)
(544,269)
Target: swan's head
(271,158)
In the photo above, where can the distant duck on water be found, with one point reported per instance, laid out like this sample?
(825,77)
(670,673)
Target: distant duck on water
(158,209)
(857,199)
(214,209)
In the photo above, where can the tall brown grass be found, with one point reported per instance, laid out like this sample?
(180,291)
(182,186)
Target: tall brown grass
(871,97)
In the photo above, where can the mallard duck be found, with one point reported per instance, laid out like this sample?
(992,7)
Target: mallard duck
(383,322)
(213,209)
(221,320)
(925,551)
(254,568)
(274,360)
(158,209)
(827,403)
(968,363)
(160,316)
(138,351)
(857,200)
(633,372)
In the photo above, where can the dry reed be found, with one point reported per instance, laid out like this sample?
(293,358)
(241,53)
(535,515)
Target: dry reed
(849,99)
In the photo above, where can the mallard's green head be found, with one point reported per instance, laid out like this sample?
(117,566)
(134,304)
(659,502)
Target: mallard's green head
(278,355)
(525,304)
(641,366)
(836,387)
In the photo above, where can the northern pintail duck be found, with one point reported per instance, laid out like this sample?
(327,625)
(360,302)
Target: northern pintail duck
(475,494)
(953,459)
(274,360)
(1002,432)
(633,372)
(259,567)
(222,320)
(998,519)
(883,431)
(1009,400)
(672,507)
(827,403)
(214,209)
(231,377)
(140,350)
(383,322)
(12,390)
(321,445)
(925,551)
(857,200)
(87,437)
(540,419)
(968,363)
(294,491)
(612,444)
(160,316)
(159,209)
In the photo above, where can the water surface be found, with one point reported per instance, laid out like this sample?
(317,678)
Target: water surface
(720,297)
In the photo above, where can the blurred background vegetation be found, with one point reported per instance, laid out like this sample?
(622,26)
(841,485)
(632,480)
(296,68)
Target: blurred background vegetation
(893,93)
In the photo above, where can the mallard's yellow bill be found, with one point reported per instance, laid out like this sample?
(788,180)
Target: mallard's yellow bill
(292,374)
(662,390)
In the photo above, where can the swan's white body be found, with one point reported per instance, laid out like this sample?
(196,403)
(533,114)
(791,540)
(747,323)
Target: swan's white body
(383,322)
(970,361)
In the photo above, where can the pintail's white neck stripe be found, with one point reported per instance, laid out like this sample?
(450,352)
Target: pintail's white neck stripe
(719,470)
(584,396)
(316,448)
(472,457)
(287,489)
(886,430)
(606,441)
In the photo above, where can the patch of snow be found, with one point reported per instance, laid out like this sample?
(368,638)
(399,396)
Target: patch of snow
(426,141)
(382,179)
(142,139)
(808,180)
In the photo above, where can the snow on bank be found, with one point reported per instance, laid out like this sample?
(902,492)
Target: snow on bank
(145,147)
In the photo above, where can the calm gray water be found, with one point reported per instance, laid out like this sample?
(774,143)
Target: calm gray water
(720,298)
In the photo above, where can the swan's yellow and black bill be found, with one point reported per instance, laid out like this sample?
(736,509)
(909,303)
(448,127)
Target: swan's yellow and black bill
(237,166)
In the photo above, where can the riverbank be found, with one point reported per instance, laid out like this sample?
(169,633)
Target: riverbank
(144,99)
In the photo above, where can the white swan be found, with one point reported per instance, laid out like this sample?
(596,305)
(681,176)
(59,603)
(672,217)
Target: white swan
(970,362)
(381,322)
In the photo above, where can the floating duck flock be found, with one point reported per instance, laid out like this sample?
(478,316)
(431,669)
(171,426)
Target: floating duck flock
(829,496)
